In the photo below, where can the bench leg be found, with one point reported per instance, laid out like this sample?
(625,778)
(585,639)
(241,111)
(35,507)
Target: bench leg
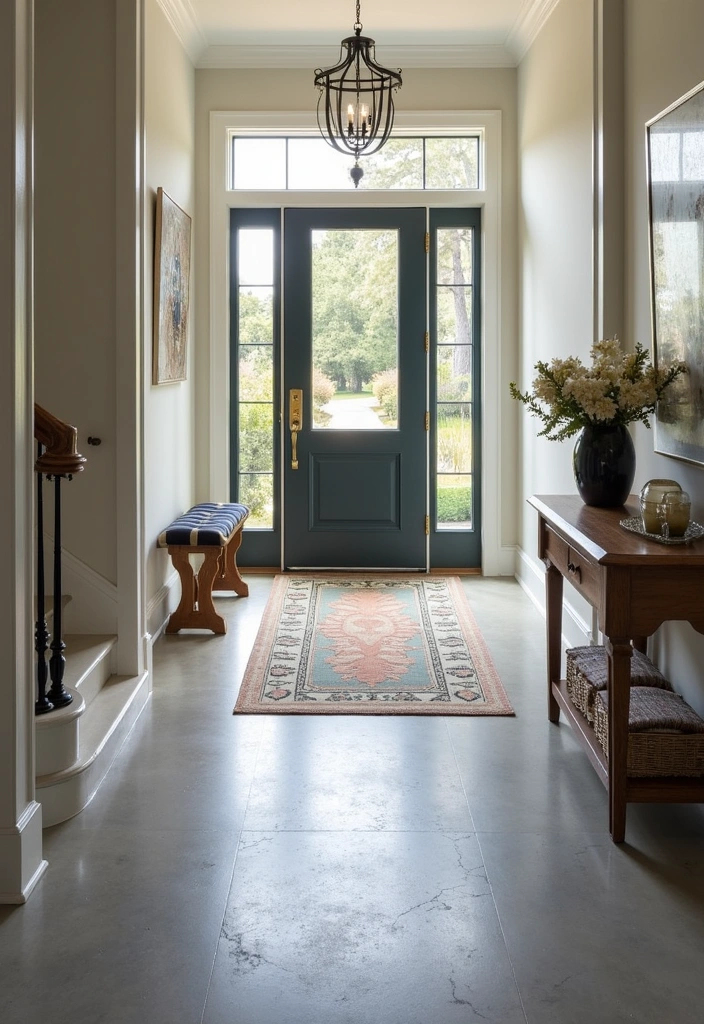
(229,576)
(196,610)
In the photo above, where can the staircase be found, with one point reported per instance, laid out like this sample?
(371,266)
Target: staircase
(84,719)
(77,744)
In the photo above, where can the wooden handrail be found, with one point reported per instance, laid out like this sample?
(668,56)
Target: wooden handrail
(59,439)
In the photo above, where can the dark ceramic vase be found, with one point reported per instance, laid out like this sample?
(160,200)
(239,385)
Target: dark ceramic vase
(604,464)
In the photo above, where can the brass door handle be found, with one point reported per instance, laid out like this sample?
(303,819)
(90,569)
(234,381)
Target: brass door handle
(295,418)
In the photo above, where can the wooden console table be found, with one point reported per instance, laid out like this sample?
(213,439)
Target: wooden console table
(635,585)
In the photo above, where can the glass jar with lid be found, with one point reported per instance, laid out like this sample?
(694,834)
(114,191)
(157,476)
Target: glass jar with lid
(673,512)
(650,497)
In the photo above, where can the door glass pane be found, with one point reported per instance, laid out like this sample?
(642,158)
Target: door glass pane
(454,259)
(454,433)
(313,164)
(454,373)
(256,316)
(257,493)
(255,374)
(255,256)
(355,329)
(256,437)
(399,164)
(454,502)
(454,326)
(259,163)
(452,162)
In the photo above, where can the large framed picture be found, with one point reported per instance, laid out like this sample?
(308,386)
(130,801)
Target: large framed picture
(172,269)
(675,157)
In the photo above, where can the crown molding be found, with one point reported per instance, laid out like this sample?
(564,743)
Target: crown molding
(184,21)
(530,20)
(429,56)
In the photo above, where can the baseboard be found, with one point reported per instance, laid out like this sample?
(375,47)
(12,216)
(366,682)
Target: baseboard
(530,574)
(161,605)
(507,561)
(21,861)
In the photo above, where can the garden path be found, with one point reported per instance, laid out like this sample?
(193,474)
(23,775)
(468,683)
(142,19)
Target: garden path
(353,413)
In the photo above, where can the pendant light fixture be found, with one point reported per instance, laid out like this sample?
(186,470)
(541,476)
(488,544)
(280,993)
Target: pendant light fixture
(356,103)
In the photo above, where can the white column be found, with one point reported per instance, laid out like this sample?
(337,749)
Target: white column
(132,648)
(21,863)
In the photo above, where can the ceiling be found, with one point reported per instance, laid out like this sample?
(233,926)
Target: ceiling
(307,33)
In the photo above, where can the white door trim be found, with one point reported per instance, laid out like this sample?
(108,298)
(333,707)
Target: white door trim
(223,124)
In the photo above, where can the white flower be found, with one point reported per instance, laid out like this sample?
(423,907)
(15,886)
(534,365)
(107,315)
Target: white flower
(616,389)
(607,354)
(637,394)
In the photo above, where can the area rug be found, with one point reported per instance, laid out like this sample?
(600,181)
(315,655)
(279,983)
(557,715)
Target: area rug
(384,645)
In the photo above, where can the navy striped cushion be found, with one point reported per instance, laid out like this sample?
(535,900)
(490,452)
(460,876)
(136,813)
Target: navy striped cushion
(204,525)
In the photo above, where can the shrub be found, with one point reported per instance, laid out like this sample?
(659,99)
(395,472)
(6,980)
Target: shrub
(385,390)
(323,389)
(257,493)
(454,504)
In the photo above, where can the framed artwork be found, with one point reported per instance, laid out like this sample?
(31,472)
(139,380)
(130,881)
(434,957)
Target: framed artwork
(675,161)
(172,268)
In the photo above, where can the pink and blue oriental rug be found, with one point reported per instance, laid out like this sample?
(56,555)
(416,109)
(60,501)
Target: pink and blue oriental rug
(380,645)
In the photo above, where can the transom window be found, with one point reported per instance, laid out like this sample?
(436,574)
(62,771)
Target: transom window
(308,163)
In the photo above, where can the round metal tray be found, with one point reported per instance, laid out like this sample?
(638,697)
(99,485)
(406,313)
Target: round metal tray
(635,524)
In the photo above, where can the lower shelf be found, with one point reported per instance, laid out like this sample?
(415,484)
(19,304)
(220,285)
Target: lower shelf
(638,790)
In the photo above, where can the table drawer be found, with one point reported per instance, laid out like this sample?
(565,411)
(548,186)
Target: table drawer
(582,573)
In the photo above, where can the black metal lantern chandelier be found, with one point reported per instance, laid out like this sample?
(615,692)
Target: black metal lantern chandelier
(356,102)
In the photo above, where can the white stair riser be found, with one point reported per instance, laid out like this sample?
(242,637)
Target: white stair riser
(57,736)
(62,799)
(96,678)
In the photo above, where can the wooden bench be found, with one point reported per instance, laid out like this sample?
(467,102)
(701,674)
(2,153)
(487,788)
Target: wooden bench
(214,531)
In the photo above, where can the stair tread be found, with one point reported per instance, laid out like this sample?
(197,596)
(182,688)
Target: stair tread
(83,652)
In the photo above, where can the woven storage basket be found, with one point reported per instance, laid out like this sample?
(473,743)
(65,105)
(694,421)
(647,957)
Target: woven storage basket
(587,671)
(665,735)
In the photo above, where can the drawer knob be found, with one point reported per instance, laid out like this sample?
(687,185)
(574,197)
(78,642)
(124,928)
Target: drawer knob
(574,570)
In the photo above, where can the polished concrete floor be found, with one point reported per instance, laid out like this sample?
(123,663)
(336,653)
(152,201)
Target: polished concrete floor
(342,870)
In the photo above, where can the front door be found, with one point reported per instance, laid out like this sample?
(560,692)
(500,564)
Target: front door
(355,389)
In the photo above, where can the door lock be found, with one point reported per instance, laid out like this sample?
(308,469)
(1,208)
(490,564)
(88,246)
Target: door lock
(295,421)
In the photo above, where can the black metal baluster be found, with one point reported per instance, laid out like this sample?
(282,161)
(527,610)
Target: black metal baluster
(58,695)
(41,632)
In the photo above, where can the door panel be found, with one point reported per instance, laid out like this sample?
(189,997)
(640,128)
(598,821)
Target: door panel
(355,308)
(356,492)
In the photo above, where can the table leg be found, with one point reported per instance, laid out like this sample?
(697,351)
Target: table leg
(553,618)
(619,652)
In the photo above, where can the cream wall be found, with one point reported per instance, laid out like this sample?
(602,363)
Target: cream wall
(75,265)
(663,60)
(169,409)
(423,89)
(555,215)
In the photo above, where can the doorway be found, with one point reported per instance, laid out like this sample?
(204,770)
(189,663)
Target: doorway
(355,417)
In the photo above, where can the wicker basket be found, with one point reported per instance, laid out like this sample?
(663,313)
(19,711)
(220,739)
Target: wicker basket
(665,735)
(587,671)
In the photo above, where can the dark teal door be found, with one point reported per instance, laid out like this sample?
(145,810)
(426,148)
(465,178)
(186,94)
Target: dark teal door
(354,348)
